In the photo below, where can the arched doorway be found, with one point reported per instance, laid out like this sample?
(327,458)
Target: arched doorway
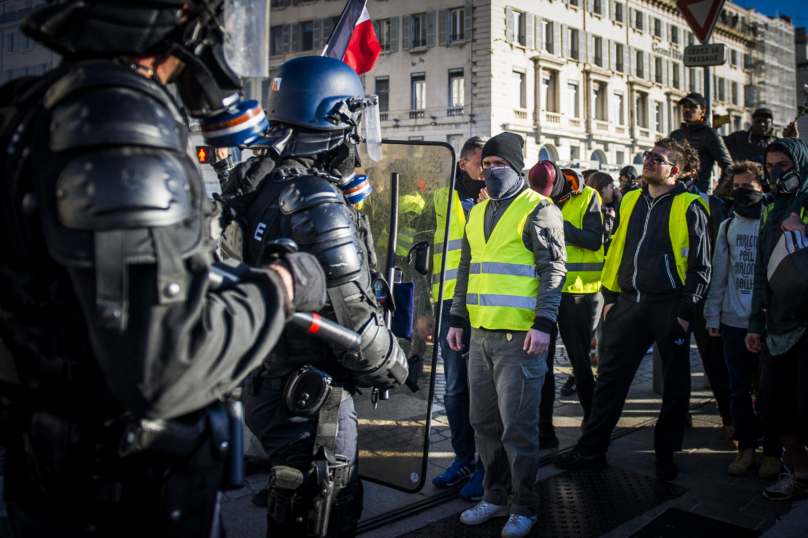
(548,153)
(599,156)
(638,159)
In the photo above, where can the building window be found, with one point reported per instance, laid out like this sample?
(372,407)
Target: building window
(691,75)
(733,57)
(734,93)
(306,35)
(574,3)
(676,116)
(618,61)
(418,29)
(276,39)
(518,89)
(597,6)
(641,109)
(384,35)
(572,100)
(547,31)
(618,12)
(549,80)
(457,25)
(598,42)
(618,112)
(457,87)
(599,100)
(383,91)
(675,34)
(456,141)
(747,61)
(691,39)
(575,153)
(574,52)
(638,19)
(640,64)
(658,70)
(621,157)
(657,27)
(722,92)
(658,120)
(676,81)
(418,84)
(519,21)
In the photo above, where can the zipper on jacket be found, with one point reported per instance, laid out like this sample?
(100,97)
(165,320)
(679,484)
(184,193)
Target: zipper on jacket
(639,244)
(668,269)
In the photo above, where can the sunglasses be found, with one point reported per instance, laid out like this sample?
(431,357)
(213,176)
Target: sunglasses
(656,158)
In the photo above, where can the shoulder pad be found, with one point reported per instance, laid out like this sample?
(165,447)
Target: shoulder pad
(123,191)
(101,104)
(307,191)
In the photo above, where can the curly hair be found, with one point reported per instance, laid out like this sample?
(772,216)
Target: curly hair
(692,163)
(679,152)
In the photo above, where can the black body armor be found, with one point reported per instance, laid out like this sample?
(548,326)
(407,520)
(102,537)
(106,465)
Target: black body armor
(113,350)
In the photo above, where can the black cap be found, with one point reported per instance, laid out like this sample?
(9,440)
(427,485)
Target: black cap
(763,113)
(695,98)
(507,146)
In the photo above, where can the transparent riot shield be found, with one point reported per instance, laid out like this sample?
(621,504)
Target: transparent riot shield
(414,182)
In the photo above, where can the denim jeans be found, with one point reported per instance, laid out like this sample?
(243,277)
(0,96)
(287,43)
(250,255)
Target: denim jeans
(742,364)
(506,387)
(456,395)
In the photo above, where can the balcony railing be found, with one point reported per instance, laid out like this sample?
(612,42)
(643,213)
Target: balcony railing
(416,114)
(601,126)
(454,111)
(645,133)
(552,118)
(620,130)
(520,114)
(383,116)
(574,122)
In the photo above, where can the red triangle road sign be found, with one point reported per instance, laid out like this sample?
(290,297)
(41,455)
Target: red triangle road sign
(701,15)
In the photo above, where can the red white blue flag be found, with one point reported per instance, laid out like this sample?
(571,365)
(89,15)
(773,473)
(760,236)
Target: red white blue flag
(354,40)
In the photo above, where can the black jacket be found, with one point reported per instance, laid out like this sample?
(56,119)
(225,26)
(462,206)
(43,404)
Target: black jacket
(710,146)
(648,271)
(745,145)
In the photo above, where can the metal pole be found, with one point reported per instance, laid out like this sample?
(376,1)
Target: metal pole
(708,94)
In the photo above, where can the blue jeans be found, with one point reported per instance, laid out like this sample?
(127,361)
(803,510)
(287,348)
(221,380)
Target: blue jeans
(741,364)
(456,397)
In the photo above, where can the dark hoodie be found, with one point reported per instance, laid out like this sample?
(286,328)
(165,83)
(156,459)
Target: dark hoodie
(746,145)
(710,146)
(767,312)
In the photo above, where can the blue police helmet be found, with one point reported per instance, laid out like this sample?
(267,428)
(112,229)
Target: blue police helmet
(306,90)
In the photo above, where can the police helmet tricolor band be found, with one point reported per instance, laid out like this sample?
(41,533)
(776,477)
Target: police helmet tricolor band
(238,125)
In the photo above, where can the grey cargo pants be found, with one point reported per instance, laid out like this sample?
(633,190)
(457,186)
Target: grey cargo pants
(505,384)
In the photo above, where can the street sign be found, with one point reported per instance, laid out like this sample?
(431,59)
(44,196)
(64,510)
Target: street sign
(701,15)
(703,55)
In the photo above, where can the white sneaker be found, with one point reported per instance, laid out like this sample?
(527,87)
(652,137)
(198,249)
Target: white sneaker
(518,526)
(482,513)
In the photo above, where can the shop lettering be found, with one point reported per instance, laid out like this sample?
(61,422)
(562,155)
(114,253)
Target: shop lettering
(671,53)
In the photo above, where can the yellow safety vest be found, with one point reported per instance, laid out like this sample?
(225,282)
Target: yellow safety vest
(503,282)
(677,228)
(583,266)
(410,206)
(456,227)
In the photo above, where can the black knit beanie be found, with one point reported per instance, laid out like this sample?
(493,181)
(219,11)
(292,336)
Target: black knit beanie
(507,146)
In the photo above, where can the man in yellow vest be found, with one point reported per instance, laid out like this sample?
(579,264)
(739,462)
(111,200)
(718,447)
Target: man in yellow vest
(468,183)
(654,280)
(509,284)
(581,301)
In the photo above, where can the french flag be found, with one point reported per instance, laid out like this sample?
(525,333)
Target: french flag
(354,40)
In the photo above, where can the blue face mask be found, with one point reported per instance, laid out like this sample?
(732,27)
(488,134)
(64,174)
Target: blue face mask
(502,182)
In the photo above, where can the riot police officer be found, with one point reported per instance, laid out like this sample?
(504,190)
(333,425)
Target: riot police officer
(115,350)
(303,189)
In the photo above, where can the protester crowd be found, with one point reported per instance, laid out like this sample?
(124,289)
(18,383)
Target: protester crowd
(655,260)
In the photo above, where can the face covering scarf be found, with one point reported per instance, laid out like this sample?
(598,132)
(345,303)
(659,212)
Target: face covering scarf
(470,187)
(502,182)
(747,203)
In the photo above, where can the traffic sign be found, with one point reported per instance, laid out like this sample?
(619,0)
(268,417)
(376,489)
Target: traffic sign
(703,55)
(701,15)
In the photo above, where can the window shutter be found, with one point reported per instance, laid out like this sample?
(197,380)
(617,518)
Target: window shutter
(631,17)
(611,10)
(467,14)
(394,34)
(590,46)
(612,55)
(556,38)
(565,41)
(295,37)
(647,68)
(285,31)
(317,37)
(538,34)
(590,5)
(530,26)
(509,24)
(651,71)
(406,34)
(443,29)
(430,28)
(632,56)
(666,64)
(326,24)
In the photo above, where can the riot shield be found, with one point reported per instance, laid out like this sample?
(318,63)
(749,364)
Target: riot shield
(412,184)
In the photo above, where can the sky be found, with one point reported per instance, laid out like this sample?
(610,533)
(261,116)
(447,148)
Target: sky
(796,9)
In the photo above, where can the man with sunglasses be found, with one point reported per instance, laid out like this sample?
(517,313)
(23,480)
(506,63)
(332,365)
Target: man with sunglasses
(654,278)
(696,130)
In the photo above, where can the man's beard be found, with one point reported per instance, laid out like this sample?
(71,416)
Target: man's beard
(654,180)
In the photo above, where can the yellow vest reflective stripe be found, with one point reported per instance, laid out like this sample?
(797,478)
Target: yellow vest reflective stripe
(502,294)
(583,266)
(768,209)
(677,228)
(456,227)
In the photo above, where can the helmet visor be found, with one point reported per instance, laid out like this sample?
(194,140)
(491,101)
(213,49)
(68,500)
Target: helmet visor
(246,44)
(372,129)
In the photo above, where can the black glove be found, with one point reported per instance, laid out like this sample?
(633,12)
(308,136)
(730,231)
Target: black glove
(309,277)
